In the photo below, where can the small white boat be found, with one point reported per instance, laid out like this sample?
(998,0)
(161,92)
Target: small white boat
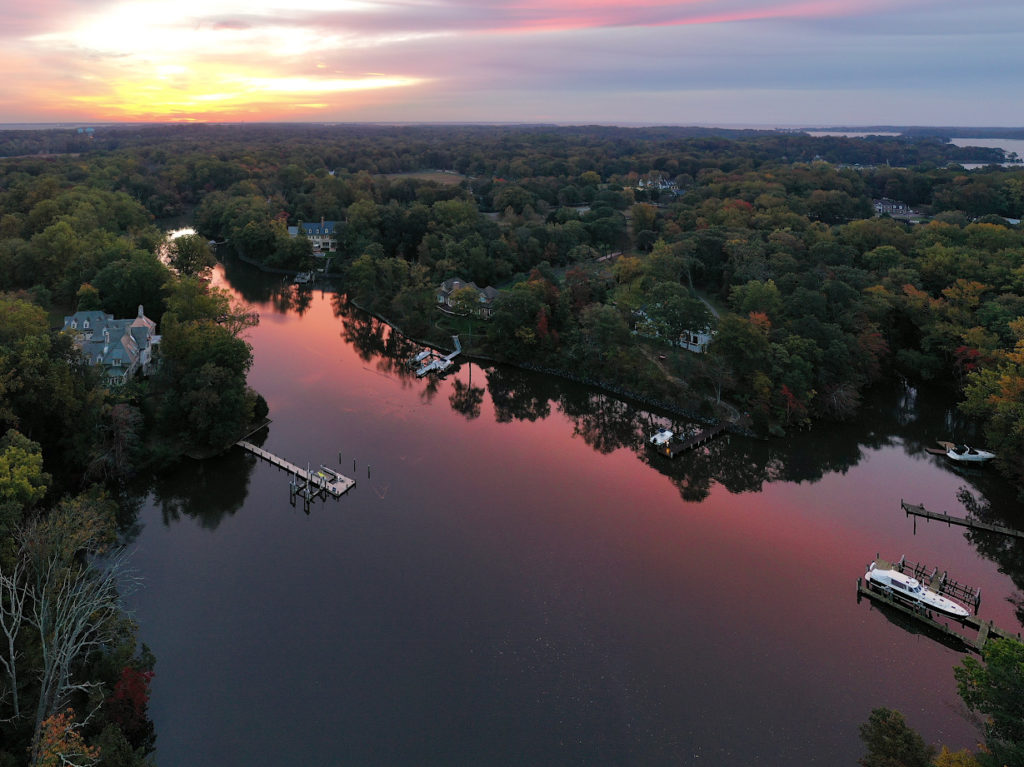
(661,437)
(968,454)
(910,591)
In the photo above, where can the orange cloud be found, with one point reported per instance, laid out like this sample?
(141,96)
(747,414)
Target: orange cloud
(210,92)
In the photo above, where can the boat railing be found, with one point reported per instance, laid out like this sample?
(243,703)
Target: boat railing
(941,583)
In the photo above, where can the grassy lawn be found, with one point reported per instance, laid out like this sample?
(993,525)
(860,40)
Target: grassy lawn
(470,332)
(437,176)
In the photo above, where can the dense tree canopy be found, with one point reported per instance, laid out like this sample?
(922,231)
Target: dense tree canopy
(818,297)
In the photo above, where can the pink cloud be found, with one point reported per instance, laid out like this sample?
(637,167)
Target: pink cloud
(443,16)
(566,15)
(23,19)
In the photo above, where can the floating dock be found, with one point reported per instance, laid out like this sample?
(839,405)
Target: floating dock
(921,511)
(322,479)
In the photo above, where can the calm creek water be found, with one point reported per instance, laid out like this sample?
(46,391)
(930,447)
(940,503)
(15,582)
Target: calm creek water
(518,583)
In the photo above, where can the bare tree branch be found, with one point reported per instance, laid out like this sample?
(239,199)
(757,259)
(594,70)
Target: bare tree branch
(75,612)
(13,595)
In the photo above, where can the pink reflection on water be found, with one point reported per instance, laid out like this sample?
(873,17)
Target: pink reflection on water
(747,596)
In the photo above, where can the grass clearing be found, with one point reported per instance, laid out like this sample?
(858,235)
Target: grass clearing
(437,176)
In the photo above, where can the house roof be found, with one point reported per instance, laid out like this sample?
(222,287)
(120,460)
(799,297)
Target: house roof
(110,342)
(317,229)
(87,319)
(452,284)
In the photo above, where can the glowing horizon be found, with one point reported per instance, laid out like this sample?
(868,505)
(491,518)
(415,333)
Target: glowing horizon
(753,61)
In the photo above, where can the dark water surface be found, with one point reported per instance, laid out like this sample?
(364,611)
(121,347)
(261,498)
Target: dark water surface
(518,583)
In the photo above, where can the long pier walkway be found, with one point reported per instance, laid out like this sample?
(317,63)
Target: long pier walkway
(921,511)
(323,478)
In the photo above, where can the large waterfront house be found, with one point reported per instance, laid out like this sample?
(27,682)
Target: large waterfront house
(323,236)
(485,296)
(895,208)
(120,347)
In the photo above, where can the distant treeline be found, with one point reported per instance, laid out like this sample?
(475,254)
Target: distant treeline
(479,149)
(948,131)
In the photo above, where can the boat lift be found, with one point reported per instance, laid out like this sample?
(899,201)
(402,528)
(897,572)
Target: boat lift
(985,630)
(938,582)
(941,583)
(438,364)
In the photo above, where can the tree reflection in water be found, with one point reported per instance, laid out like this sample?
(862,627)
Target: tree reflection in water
(256,288)
(1008,552)
(206,490)
(466,398)
(299,298)
(518,395)
(375,341)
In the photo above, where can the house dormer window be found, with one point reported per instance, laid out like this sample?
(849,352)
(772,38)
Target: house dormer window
(74,324)
(85,324)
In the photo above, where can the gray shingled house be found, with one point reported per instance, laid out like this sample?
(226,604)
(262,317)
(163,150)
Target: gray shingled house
(121,347)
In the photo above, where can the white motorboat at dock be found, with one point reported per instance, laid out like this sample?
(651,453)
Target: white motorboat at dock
(961,453)
(904,587)
(968,454)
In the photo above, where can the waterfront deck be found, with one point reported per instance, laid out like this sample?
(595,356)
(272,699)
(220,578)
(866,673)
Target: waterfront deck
(676,446)
(327,480)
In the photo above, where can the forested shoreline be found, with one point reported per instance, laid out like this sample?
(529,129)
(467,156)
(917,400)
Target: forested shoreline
(74,679)
(605,245)
(594,234)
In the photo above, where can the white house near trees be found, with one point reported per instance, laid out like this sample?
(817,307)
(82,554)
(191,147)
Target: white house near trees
(323,236)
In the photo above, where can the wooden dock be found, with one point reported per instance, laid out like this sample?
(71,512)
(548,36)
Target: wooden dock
(324,479)
(433,362)
(983,630)
(921,511)
(676,446)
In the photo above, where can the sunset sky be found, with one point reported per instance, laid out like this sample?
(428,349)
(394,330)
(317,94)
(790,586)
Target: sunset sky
(763,62)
